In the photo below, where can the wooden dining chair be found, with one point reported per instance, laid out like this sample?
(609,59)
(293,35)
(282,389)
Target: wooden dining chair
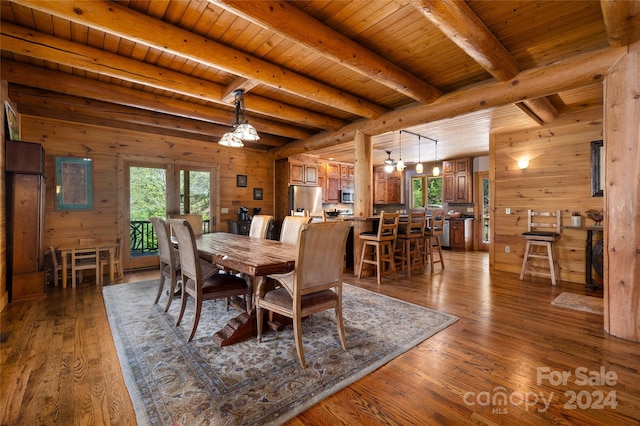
(382,243)
(260,226)
(314,285)
(56,268)
(202,280)
(543,230)
(409,245)
(432,233)
(105,261)
(169,260)
(291,226)
(83,259)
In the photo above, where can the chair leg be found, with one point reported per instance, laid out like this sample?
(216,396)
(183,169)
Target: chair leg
(362,257)
(340,323)
(183,305)
(160,287)
(552,262)
(525,259)
(379,269)
(297,335)
(196,318)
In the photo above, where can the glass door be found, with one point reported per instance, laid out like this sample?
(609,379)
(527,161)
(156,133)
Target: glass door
(163,190)
(484,211)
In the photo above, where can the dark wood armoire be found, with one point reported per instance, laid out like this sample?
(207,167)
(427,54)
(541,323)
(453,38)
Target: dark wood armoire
(25,193)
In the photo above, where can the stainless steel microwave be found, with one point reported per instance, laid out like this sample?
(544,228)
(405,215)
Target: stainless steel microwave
(346,196)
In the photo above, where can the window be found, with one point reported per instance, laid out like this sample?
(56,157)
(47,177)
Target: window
(426,188)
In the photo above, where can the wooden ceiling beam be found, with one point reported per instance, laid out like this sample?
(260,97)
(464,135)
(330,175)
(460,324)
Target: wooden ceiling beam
(24,41)
(462,26)
(121,21)
(48,104)
(293,24)
(622,20)
(28,75)
(578,71)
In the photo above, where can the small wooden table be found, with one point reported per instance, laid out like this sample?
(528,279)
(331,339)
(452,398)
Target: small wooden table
(590,283)
(254,257)
(102,246)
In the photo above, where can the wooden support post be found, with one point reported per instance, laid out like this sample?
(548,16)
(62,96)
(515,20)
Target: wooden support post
(622,197)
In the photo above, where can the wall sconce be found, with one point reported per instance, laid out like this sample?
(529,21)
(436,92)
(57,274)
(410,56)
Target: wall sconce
(523,164)
(241,130)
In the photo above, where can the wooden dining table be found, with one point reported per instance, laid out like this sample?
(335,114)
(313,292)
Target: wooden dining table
(254,257)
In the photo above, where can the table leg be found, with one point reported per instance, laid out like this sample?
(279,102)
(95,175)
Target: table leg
(242,327)
(63,256)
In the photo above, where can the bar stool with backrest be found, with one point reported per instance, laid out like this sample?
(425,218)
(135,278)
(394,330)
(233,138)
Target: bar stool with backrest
(410,241)
(543,229)
(432,234)
(260,226)
(382,242)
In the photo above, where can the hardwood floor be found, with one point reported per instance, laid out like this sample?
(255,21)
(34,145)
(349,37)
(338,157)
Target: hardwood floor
(59,364)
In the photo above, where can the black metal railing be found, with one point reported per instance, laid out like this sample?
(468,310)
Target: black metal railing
(143,237)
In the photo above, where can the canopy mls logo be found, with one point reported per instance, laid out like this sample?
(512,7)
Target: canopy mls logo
(499,399)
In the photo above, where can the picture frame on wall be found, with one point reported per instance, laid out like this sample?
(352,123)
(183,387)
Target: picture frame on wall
(12,124)
(241,181)
(74,183)
(257,193)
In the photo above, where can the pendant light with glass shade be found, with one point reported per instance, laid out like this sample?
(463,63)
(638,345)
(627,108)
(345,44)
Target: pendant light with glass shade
(436,169)
(400,163)
(419,168)
(241,130)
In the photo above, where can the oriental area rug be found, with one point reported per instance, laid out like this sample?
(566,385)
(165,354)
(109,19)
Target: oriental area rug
(580,302)
(175,382)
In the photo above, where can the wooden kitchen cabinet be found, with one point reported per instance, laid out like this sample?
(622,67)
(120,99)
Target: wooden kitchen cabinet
(334,177)
(457,178)
(303,173)
(387,187)
(456,234)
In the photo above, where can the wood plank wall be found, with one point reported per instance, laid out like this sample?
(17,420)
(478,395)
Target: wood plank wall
(558,177)
(106,145)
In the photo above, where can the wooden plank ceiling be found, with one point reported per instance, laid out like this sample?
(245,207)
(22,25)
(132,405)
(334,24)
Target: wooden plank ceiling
(314,71)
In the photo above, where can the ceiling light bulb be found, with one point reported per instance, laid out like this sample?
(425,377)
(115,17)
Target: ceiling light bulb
(419,168)
(388,168)
(400,165)
(436,170)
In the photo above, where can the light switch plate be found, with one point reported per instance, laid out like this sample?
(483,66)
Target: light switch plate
(224,210)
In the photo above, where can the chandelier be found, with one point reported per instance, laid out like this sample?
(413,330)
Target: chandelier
(241,130)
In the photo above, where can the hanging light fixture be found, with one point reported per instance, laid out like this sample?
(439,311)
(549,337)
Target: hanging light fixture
(400,164)
(419,168)
(388,163)
(241,130)
(436,169)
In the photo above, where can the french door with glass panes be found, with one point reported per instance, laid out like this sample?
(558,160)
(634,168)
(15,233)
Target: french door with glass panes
(163,190)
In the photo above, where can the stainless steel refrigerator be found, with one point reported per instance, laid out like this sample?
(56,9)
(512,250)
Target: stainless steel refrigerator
(303,198)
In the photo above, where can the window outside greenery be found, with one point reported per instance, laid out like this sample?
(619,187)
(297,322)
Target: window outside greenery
(148,188)
(429,188)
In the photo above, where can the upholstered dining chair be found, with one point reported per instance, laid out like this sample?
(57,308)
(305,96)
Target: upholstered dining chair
(410,241)
(382,242)
(200,279)
(260,225)
(291,226)
(314,285)
(169,259)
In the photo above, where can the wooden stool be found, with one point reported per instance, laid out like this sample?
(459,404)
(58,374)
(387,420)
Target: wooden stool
(383,244)
(409,243)
(535,237)
(432,238)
